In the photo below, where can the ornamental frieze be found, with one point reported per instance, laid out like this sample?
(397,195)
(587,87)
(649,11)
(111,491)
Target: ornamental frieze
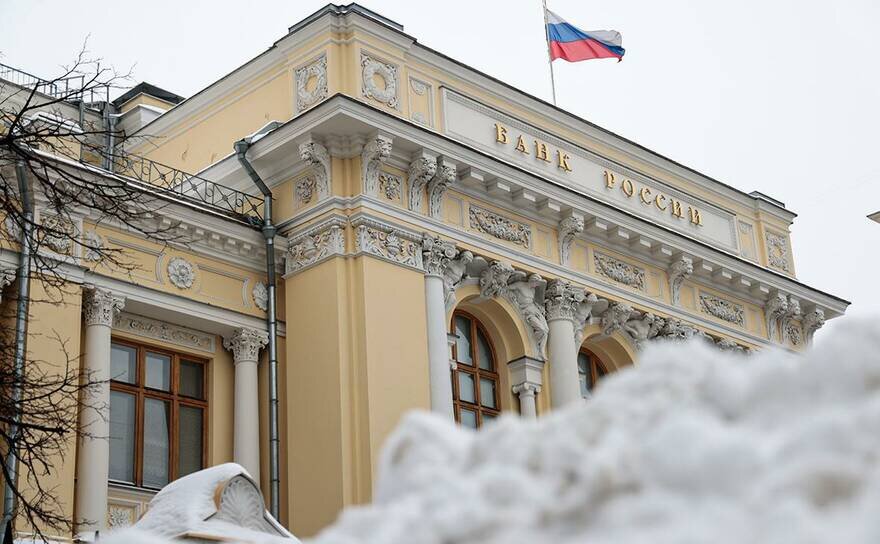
(724,310)
(387,243)
(167,332)
(314,245)
(500,227)
(619,271)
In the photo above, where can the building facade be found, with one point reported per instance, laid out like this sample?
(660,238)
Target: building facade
(445,242)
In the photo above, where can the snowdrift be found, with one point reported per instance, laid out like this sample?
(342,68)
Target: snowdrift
(693,445)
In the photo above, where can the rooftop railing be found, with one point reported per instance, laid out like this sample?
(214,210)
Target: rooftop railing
(69,88)
(190,187)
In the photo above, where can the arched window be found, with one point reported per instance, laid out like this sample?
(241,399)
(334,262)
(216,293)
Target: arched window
(590,369)
(475,381)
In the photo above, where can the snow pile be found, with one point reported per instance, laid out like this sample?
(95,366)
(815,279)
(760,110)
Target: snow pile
(691,446)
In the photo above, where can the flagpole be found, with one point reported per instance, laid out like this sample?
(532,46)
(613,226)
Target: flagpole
(549,53)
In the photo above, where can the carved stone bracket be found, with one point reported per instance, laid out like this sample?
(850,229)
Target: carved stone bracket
(774,309)
(316,154)
(443,178)
(376,151)
(100,306)
(315,244)
(569,228)
(791,332)
(679,271)
(812,322)
(421,171)
(6,278)
(524,291)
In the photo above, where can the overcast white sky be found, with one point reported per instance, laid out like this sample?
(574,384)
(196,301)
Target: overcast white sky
(775,95)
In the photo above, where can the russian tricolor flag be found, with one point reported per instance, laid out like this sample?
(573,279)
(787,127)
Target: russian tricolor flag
(570,43)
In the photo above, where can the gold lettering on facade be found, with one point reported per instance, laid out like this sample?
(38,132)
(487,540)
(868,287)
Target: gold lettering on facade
(541,151)
(501,134)
(645,195)
(609,180)
(563,160)
(696,218)
(676,208)
(657,202)
(627,187)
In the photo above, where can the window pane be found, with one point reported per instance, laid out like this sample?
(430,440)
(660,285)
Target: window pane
(122,436)
(463,344)
(158,371)
(156,442)
(484,353)
(488,418)
(191,379)
(466,387)
(123,363)
(468,418)
(584,374)
(189,440)
(487,392)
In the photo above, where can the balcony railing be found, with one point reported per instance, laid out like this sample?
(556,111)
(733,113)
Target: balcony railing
(190,187)
(69,88)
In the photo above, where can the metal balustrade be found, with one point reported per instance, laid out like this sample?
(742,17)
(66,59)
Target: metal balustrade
(70,88)
(198,190)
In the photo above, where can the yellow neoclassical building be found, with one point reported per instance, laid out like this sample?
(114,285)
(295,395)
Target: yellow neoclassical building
(442,241)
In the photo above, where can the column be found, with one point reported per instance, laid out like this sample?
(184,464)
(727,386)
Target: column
(438,347)
(561,300)
(245,345)
(93,468)
(527,378)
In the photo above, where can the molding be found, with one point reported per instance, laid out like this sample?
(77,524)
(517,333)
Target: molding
(314,245)
(161,330)
(526,373)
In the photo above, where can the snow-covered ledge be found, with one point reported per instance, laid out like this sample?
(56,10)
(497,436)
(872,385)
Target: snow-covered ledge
(220,503)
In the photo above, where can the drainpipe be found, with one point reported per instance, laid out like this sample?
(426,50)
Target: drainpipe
(24,272)
(269,232)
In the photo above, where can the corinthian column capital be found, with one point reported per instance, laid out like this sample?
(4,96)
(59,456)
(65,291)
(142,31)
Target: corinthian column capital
(562,300)
(245,344)
(100,306)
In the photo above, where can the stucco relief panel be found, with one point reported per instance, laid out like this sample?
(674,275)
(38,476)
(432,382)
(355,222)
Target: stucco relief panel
(380,80)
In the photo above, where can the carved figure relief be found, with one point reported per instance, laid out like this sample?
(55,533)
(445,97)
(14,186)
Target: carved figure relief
(58,234)
(500,227)
(524,292)
(723,309)
(92,246)
(390,186)
(314,245)
(316,154)
(305,190)
(619,271)
(311,84)
(386,92)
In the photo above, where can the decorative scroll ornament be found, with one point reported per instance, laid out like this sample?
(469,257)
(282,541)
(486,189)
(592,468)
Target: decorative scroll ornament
(443,178)
(260,294)
(241,504)
(316,71)
(314,245)
(524,292)
(181,272)
(774,309)
(375,152)
(777,251)
(811,322)
(100,306)
(93,244)
(723,309)
(421,170)
(159,330)
(305,189)
(569,228)
(679,271)
(390,186)
(245,344)
(316,154)
(787,324)
(619,271)
(389,243)
(387,93)
(500,227)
